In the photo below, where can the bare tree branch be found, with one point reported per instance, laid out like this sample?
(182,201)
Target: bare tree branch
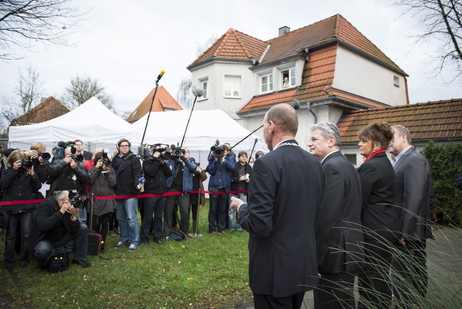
(23,23)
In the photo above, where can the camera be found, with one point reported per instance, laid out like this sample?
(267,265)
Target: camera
(76,199)
(106,161)
(27,163)
(177,152)
(74,156)
(61,149)
(44,155)
(146,151)
(218,151)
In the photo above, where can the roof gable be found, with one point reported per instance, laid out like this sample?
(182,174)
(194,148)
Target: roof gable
(234,44)
(48,109)
(431,120)
(162,102)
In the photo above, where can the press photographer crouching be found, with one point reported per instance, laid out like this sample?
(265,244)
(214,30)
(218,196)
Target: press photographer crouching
(55,225)
(69,173)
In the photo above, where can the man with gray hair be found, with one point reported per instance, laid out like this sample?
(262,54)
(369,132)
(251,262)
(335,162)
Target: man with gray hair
(338,224)
(55,225)
(413,193)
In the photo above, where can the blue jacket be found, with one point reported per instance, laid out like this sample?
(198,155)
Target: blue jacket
(220,172)
(188,173)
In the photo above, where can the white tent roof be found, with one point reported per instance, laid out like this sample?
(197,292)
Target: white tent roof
(91,122)
(205,127)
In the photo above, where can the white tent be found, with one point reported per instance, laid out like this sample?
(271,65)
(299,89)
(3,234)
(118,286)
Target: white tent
(91,122)
(205,127)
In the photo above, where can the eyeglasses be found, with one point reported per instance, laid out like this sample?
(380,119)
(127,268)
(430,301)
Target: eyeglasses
(123,146)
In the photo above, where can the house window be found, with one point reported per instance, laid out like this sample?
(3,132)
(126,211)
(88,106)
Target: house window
(204,84)
(267,83)
(288,78)
(351,158)
(232,86)
(396,80)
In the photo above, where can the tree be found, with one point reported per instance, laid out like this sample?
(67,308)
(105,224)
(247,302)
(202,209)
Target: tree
(26,22)
(440,24)
(28,90)
(83,88)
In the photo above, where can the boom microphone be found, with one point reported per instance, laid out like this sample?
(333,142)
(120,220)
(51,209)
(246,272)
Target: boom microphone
(160,76)
(295,104)
(197,91)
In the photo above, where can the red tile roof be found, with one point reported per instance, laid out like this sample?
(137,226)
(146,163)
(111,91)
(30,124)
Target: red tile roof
(48,109)
(431,120)
(162,101)
(234,44)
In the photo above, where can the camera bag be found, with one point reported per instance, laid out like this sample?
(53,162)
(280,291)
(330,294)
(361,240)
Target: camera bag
(59,261)
(94,239)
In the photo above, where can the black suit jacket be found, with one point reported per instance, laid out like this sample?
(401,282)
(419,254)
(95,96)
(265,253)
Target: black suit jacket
(413,188)
(379,216)
(339,231)
(285,192)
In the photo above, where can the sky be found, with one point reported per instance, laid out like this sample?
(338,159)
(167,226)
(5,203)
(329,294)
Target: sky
(125,44)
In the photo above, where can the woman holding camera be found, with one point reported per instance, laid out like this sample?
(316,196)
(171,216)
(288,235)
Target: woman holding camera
(20,182)
(102,179)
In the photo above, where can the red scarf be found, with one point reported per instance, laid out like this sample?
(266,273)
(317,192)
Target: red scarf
(373,154)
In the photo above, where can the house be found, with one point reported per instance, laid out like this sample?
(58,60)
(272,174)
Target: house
(440,121)
(328,66)
(48,109)
(163,102)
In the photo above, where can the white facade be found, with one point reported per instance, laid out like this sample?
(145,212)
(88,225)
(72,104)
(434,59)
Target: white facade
(361,76)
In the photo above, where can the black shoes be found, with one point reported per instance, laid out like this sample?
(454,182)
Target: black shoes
(81,263)
(159,241)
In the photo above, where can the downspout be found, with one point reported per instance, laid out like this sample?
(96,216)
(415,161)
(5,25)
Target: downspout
(308,104)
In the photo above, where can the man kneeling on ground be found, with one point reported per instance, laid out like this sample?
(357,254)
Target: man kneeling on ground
(55,225)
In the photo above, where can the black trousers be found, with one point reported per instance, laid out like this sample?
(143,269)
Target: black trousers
(270,302)
(374,282)
(411,277)
(335,291)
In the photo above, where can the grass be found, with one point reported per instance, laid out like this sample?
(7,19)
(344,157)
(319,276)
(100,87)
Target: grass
(202,272)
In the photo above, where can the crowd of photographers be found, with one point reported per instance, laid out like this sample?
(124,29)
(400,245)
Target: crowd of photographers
(171,180)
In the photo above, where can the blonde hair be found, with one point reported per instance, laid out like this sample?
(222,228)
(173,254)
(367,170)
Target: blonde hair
(15,156)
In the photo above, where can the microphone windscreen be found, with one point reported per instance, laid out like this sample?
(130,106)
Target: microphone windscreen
(295,104)
(197,91)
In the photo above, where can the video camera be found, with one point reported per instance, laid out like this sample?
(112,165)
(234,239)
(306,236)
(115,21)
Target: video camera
(74,156)
(146,151)
(177,152)
(76,199)
(218,151)
(60,151)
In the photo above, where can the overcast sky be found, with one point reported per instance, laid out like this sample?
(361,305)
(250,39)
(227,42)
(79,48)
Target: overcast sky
(125,44)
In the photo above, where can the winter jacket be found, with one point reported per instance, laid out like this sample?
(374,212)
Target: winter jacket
(156,175)
(220,172)
(188,173)
(128,171)
(101,184)
(19,185)
(64,174)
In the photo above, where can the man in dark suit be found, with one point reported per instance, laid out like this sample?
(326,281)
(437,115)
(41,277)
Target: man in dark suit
(338,232)
(413,193)
(284,194)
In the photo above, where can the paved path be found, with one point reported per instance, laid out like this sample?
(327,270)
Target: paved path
(445,271)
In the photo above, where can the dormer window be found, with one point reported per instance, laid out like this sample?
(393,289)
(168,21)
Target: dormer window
(288,78)
(266,83)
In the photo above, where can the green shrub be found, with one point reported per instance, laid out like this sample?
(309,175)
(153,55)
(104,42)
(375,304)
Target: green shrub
(445,164)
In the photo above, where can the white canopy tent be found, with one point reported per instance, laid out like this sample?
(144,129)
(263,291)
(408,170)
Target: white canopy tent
(91,122)
(205,127)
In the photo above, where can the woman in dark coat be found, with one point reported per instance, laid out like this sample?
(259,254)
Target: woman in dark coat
(20,182)
(102,181)
(379,217)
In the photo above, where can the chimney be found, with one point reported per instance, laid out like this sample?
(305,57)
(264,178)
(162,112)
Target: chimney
(283,30)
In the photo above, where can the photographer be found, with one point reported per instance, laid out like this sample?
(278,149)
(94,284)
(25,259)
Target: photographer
(156,172)
(55,225)
(220,166)
(20,181)
(69,173)
(102,179)
(41,161)
(240,182)
(128,170)
(86,154)
(180,182)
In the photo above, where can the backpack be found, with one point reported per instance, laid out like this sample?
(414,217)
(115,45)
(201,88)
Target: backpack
(177,235)
(58,261)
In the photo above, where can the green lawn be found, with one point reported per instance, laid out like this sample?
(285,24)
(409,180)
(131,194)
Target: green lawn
(202,272)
